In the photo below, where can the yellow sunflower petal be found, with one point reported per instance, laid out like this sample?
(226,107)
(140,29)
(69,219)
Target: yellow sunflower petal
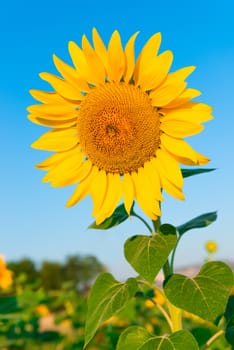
(154,71)
(112,198)
(201,107)
(48,97)
(180,148)
(148,52)
(78,58)
(144,196)
(172,87)
(82,189)
(167,181)
(129,58)
(77,172)
(153,176)
(166,93)
(53,109)
(69,162)
(62,87)
(70,74)
(171,189)
(180,128)
(59,117)
(51,161)
(80,62)
(116,58)
(128,192)
(98,190)
(169,168)
(200,160)
(96,66)
(183,98)
(100,48)
(181,74)
(57,140)
(189,114)
(50,122)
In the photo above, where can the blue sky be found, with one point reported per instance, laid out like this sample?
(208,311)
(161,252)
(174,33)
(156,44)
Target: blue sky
(34,221)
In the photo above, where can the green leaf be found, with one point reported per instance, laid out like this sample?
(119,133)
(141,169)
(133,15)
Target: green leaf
(192,172)
(147,255)
(180,340)
(229,312)
(202,334)
(118,216)
(137,338)
(229,316)
(229,334)
(133,338)
(168,229)
(198,222)
(107,297)
(206,295)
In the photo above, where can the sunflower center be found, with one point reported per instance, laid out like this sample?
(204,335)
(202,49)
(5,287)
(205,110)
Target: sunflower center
(119,129)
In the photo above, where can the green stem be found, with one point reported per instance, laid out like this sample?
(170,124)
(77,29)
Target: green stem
(213,338)
(173,254)
(156,224)
(175,313)
(176,317)
(142,220)
(164,313)
(167,269)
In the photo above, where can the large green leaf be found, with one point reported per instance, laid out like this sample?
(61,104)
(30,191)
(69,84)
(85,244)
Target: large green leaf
(229,315)
(107,297)
(147,255)
(118,216)
(229,334)
(202,334)
(137,338)
(133,338)
(206,295)
(229,312)
(198,222)
(176,341)
(192,172)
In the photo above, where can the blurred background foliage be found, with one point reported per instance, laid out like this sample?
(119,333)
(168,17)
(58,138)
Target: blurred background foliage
(81,270)
(44,307)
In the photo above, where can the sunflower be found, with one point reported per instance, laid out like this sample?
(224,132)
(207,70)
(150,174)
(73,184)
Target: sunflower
(5,274)
(118,125)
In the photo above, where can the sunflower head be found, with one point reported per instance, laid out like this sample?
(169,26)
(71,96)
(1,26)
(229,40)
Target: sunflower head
(118,124)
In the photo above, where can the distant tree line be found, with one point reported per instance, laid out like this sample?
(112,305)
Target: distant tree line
(80,271)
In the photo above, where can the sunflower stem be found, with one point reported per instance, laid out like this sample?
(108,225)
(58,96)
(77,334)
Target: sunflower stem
(142,220)
(213,339)
(164,313)
(175,313)
(167,269)
(176,317)
(156,224)
(173,254)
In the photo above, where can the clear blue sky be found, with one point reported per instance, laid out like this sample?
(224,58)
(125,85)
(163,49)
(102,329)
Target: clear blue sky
(34,221)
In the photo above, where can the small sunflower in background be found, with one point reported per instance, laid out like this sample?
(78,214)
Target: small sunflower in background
(6,279)
(118,125)
(211,247)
